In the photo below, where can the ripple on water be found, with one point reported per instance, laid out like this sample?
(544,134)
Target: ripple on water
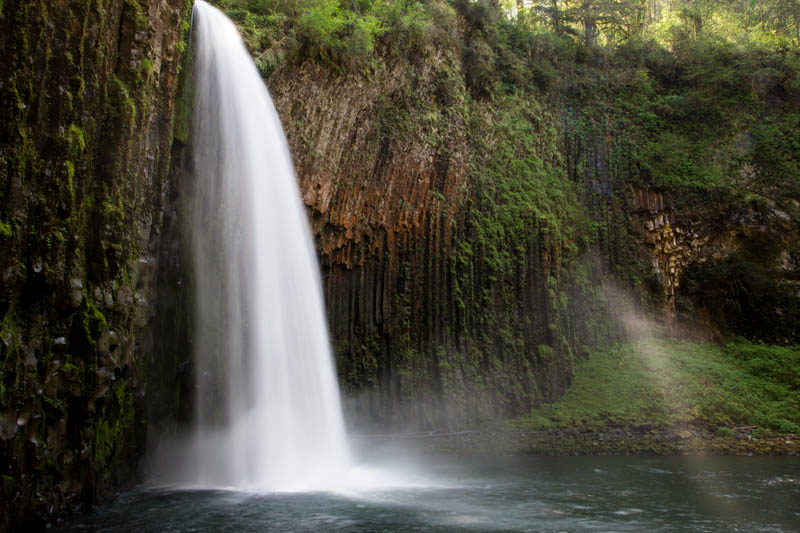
(627,512)
(538,495)
(783,480)
(659,471)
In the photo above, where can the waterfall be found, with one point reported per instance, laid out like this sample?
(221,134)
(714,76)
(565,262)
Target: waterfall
(268,408)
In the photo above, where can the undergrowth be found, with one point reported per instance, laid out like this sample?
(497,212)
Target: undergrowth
(676,383)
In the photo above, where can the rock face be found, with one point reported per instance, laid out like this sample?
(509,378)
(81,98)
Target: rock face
(85,131)
(442,315)
(460,286)
(724,266)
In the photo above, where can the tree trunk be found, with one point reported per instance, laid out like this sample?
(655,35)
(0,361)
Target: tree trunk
(589,24)
(556,16)
(653,12)
(796,17)
(697,19)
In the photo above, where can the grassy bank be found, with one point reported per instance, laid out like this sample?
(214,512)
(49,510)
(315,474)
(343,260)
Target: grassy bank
(669,396)
(661,396)
(673,383)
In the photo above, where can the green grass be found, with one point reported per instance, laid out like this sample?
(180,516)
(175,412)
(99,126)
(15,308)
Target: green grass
(668,382)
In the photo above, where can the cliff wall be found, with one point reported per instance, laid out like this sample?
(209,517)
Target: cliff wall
(86,128)
(475,189)
(699,221)
(442,236)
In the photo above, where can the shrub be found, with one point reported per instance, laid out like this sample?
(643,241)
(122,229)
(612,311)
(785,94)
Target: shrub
(724,432)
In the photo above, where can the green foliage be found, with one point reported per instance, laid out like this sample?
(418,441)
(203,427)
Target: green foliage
(524,222)
(406,24)
(771,363)
(687,116)
(519,184)
(776,152)
(725,432)
(322,24)
(672,383)
(341,34)
(614,22)
(337,35)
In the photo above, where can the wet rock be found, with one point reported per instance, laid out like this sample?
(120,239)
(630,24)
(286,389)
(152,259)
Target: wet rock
(76,292)
(96,120)
(142,311)
(105,376)
(124,298)
(8,424)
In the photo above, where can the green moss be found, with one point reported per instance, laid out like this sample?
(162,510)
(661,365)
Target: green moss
(114,425)
(6,230)
(76,140)
(120,103)
(670,383)
(88,323)
(788,426)
(146,69)
(134,10)
(70,176)
(546,353)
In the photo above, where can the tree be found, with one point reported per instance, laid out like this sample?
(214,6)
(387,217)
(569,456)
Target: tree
(784,18)
(616,20)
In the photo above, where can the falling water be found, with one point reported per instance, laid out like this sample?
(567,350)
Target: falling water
(268,409)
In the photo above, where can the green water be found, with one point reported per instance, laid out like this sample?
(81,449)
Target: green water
(500,494)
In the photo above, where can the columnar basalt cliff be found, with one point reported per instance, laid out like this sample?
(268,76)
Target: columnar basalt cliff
(706,263)
(446,294)
(465,216)
(86,125)
(723,267)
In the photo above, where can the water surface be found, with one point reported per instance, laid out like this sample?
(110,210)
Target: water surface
(500,494)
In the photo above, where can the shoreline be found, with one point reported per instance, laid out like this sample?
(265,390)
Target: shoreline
(618,439)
